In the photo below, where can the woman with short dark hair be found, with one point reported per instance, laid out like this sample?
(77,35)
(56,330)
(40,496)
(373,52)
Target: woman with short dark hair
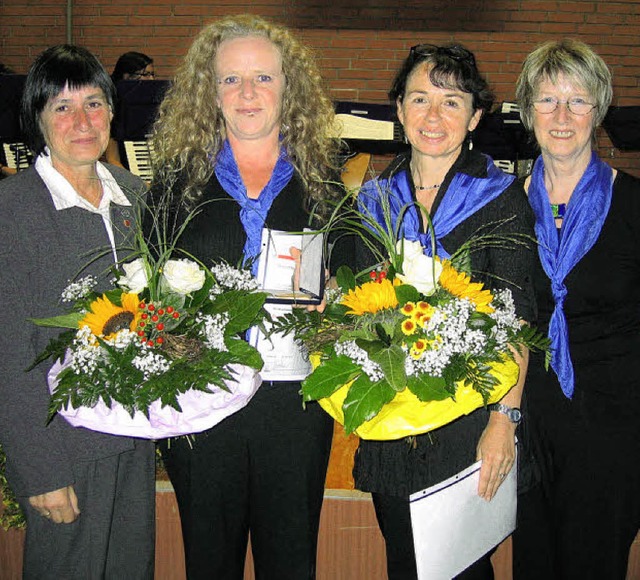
(88,498)
(440,97)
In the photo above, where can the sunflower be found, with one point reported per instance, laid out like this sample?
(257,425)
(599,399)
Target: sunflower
(460,285)
(371,297)
(105,318)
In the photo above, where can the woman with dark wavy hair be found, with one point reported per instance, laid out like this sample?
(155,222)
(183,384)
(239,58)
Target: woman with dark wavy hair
(243,135)
(440,97)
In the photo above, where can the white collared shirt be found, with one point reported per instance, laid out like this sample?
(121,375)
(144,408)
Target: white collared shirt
(65,196)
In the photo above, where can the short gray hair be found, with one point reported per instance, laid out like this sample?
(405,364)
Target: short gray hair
(577,62)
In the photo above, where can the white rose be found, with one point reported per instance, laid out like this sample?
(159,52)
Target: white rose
(183,276)
(135,276)
(419,270)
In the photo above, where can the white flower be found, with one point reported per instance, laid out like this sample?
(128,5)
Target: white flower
(78,289)
(418,269)
(135,278)
(183,276)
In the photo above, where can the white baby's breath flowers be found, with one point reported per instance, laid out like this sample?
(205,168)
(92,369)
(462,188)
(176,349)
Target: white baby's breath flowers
(359,356)
(213,327)
(79,289)
(150,363)
(229,278)
(87,353)
(122,339)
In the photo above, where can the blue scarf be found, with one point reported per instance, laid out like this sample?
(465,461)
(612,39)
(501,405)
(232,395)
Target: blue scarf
(253,212)
(464,197)
(585,215)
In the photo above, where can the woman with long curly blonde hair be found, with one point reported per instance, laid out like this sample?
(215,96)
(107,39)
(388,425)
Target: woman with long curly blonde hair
(243,139)
(191,128)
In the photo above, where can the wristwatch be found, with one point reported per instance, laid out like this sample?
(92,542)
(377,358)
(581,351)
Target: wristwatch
(513,413)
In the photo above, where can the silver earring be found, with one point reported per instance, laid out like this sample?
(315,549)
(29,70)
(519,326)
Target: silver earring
(470,141)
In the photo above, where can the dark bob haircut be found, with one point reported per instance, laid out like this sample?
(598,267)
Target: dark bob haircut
(56,68)
(452,67)
(129,63)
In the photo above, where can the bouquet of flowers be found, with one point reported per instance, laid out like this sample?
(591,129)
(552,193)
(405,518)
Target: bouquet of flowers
(414,347)
(161,353)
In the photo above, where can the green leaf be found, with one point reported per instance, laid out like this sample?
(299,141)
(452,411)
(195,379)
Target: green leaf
(481,321)
(329,377)
(428,388)
(245,352)
(70,320)
(364,401)
(391,360)
(242,307)
(345,278)
(406,293)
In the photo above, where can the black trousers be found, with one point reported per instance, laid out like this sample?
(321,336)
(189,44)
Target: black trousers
(259,472)
(394,519)
(581,522)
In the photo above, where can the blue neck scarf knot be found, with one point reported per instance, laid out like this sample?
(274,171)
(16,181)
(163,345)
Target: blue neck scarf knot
(585,215)
(253,212)
(465,195)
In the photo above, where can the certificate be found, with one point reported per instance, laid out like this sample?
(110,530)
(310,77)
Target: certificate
(276,267)
(453,526)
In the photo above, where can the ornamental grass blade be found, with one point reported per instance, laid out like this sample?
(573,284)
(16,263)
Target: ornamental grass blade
(329,377)
(364,401)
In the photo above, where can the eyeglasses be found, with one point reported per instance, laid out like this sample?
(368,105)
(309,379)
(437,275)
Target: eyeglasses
(143,75)
(577,105)
(454,52)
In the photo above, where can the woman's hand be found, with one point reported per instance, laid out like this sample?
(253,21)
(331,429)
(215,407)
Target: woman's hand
(59,506)
(497,450)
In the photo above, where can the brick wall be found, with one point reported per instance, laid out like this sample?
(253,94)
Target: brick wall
(358,63)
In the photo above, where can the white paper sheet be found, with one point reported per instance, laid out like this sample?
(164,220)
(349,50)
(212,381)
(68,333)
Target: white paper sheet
(284,359)
(453,526)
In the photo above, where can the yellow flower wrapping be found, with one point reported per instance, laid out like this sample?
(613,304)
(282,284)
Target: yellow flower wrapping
(406,415)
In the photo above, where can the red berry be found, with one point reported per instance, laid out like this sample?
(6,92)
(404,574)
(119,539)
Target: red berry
(160,311)
(169,309)
(176,315)
(159,340)
(160,326)
(144,316)
(142,324)
(150,343)
(373,275)
(142,306)
(140,332)
(382,275)
(151,307)
(154,318)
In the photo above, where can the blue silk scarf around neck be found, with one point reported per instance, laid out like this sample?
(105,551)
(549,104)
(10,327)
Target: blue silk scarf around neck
(464,196)
(253,212)
(586,211)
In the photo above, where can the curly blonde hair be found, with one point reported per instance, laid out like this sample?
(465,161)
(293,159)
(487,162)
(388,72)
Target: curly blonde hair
(190,129)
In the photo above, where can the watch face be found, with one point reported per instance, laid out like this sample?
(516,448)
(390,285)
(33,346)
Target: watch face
(515,415)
